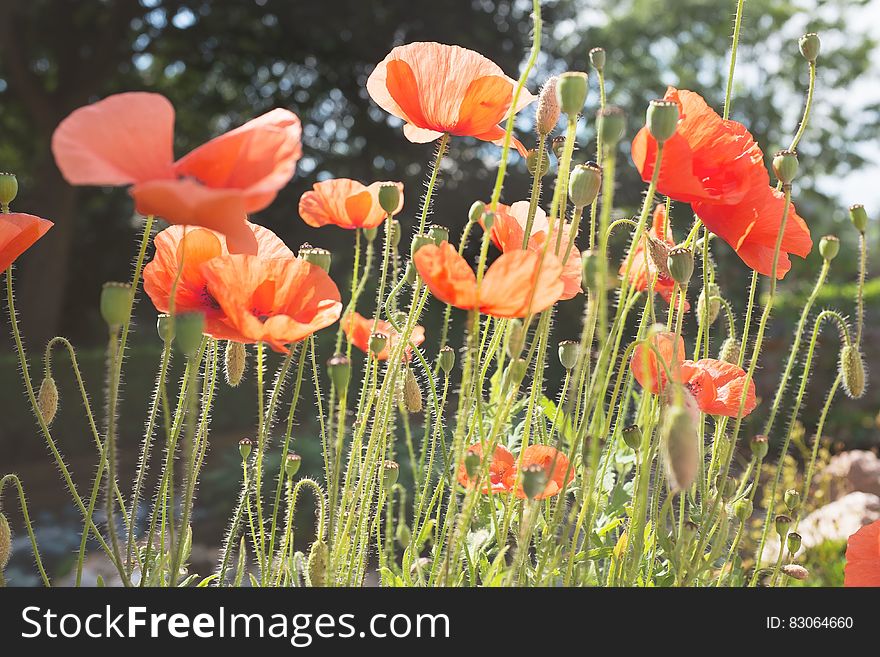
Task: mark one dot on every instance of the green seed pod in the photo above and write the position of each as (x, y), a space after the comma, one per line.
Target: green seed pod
(610, 124)
(829, 247)
(795, 571)
(395, 232)
(8, 189)
(47, 399)
(785, 166)
(339, 371)
(403, 535)
(584, 184)
(446, 359)
(859, 217)
(5, 542)
(792, 499)
(115, 303)
(714, 304)
(291, 464)
(370, 234)
(319, 555)
(438, 233)
(165, 327)
(590, 261)
(743, 509)
(516, 338)
(188, 328)
(597, 59)
(568, 353)
(852, 371)
(783, 523)
(809, 45)
(557, 145)
(678, 436)
(245, 445)
(547, 112)
(476, 211)
(390, 474)
(632, 436)
(377, 343)
(729, 351)
(389, 198)
(571, 92)
(794, 542)
(235, 362)
(418, 241)
(488, 219)
(534, 480)
(680, 263)
(662, 119)
(471, 463)
(412, 393)
(759, 445)
(532, 157)
(316, 256)
(728, 489)
(516, 371)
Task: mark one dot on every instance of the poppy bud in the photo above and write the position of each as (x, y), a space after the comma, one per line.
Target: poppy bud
(785, 166)
(476, 211)
(515, 338)
(658, 254)
(795, 571)
(446, 359)
(8, 189)
(584, 183)
(680, 263)
(378, 342)
(852, 371)
(188, 328)
(532, 158)
(319, 556)
(597, 58)
(165, 327)
(782, 525)
(235, 362)
(395, 232)
(438, 233)
(571, 92)
(568, 353)
(809, 45)
(632, 436)
(662, 119)
(516, 371)
(728, 488)
(47, 399)
(714, 305)
(471, 463)
(729, 351)
(794, 541)
(759, 445)
(389, 197)
(115, 303)
(547, 113)
(410, 275)
(244, 448)
(792, 499)
(390, 473)
(316, 256)
(339, 370)
(403, 535)
(291, 464)
(743, 509)
(859, 217)
(534, 480)
(557, 145)
(688, 531)
(5, 542)
(590, 269)
(412, 393)
(418, 241)
(370, 234)
(610, 124)
(489, 219)
(680, 446)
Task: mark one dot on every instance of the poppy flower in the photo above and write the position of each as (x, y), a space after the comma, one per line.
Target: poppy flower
(277, 301)
(863, 557)
(500, 467)
(508, 231)
(517, 284)
(127, 139)
(18, 232)
(345, 203)
(191, 248)
(642, 268)
(439, 89)
(358, 330)
(555, 464)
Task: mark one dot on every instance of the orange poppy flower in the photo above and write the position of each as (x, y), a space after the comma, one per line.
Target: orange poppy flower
(863, 557)
(18, 232)
(646, 368)
(193, 247)
(127, 139)
(439, 89)
(345, 203)
(500, 466)
(642, 269)
(358, 330)
(508, 231)
(277, 301)
(517, 284)
(555, 464)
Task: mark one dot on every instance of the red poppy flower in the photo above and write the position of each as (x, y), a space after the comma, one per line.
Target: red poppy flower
(277, 301)
(358, 330)
(555, 464)
(500, 466)
(642, 269)
(863, 557)
(18, 232)
(127, 139)
(439, 89)
(517, 284)
(193, 247)
(344, 203)
(508, 231)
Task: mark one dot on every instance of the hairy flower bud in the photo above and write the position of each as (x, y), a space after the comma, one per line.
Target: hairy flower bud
(516, 371)
(590, 270)
(714, 305)
(729, 351)
(115, 303)
(438, 233)
(471, 464)
(235, 362)
(547, 112)
(378, 342)
(557, 145)
(610, 124)
(662, 119)
(339, 370)
(534, 480)
(446, 359)
(410, 275)
(47, 399)
(291, 464)
(412, 393)
(785, 166)
(395, 233)
(680, 263)
(571, 92)
(795, 571)
(244, 448)
(5, 542)
(568, 353)
(188, 328)
(8, 189)
(418, 241)
(390, 473)
(859, 217)
(632, 436)
(597, 59)
(743, 509)
(476, 211)
(370, 234)
(515, 338)
(532, 158)
(316, 256)
(584, 183)
(678, 436)
(829, 246)
(759, 445)
(658, 254)
(852, 371)
(389, 197)
(165, 327)
(319, 556)
(809, 45)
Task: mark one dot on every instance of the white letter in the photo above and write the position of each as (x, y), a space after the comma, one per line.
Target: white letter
(134, 620)
(24, 617)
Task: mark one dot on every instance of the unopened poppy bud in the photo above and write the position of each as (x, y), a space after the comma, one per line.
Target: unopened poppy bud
(410, 275)
(471, 463)
(339, 370)
(680, 263)
(476, 211)
(370, 234)
(782, 525)
(632, 436)
(729, 351)
(245, 445)
(532, 158)
(534, 480)
(662, 119)
(438, 233)
(712, 308)
(515, 338)
(557, 145)
(584, 183)
(418, 241)
(728, 489)
(389, 197)
(610, 124)
(319, 556)
(390, 473)
(8, 189)
(658, 254)
(412, 393)
(809, 45)
(795, 571)
(403, 535)
(378, 342)
(568, 353)
(743, 509)
(235, 361)
(794, 541)
(446, 359)
(517, 371)
(489, 219)
(597, 58)
(115, 303)
(291, 464)
(785, 166)
(316, 256)
(188, 329)
(571, 92)
(590, 270)
(547, 113)
(395, 232)
(859, 217)
(5, 542)
(680, 446)
(165, 327)
(47, 399)
(759, 445)
(852, 371)
(792, 499)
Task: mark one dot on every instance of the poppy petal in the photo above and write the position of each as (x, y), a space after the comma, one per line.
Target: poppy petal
(18, 232)
(863, 557)
(646, 369)
(447, 275)
(519, 283)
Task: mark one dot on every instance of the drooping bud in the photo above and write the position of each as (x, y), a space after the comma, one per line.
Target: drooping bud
(859, 217)
(316, 256)
(516, 371)
(743, 509)
(235, 361)
(829, 246)
(291, 464)
(412, 393)
(662, 119)
(378, 342)
(47, 399)
(584, 183)
(590, 269)
(809, 45)
(680, 263)
(8, 189)
(534, 480)
(188, 328)
(852, 371)
(547, 113)
(597, 58)
(390, 473)
(729, 351)
(532, 158)
(476, 211)
(5, 542)
(418, 241)
(403, 535)
(795, 571)
(446, 359)
(395, 233)
(759, 445)
(680, 446)
(319, 556)
(714, 304)
(632, 436)
(389, 197)
(370, 234)
(516, 338)
(115, 303)
(728, 488)
(794, 542)
(165, 327)
(610, 124)
(571, 92)
(783, 523)
(658, 254)
(244, 448)
(438, 233)
(568, 353)
(339, 370)
(792, 499)
(785, 166)
(410, 275)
